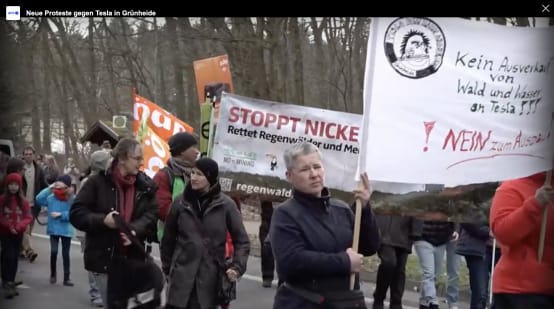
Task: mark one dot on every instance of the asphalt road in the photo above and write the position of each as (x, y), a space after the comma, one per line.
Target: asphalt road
(37, 292)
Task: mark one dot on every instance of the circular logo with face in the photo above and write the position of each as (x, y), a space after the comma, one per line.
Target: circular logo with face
(414, 46)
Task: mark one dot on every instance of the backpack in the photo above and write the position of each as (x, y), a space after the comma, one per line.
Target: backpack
(177, 185)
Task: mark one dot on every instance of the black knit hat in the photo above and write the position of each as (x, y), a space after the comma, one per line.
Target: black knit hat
(66, 179)
(209, 168)
(180, 142)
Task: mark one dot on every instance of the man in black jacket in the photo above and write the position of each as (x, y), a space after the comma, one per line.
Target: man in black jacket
(397, 234)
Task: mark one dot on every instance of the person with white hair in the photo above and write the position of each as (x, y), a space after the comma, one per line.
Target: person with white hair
(99, 160)
(312, 237)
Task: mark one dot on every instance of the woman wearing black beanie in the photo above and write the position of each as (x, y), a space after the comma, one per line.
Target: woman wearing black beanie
(193, 245)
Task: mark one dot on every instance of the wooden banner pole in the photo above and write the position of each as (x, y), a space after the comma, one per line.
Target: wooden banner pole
(356, 236)
(547, 181)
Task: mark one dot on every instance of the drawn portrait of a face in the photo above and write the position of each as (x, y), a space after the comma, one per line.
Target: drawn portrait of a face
(415, 50)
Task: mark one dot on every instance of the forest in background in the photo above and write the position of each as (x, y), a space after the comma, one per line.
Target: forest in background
(60, 75)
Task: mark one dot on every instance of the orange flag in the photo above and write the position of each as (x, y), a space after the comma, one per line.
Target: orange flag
(162, 122)
(155, 152)
(152, 127)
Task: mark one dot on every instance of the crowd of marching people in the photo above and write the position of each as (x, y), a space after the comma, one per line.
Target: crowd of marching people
(309, 241)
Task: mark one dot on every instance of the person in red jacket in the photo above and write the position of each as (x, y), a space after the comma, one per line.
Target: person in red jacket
(172, 179)
(520, 280)
(15, 216)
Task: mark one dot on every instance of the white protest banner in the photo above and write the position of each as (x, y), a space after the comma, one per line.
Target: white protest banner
(453, 101)
(253, 134)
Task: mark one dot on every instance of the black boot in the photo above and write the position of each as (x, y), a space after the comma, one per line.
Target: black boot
(53, 259)
(10, 290)
(66, 280)
(266, 283)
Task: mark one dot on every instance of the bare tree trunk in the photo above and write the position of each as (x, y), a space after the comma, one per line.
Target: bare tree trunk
(175, 51)
(127, 53)
(332, 80)
(251, 48)
(242, 41)
(298, 63)
(346, 59)
(9, 73)
(359, 47)
(275, 59)
(75, 75)
(321, 63)
(111, 104)
(64, 113)
(191, 52)
(31, 98)
(35, 116)
(92, 67)
(74, 137)
(47, 72)
(161, 92)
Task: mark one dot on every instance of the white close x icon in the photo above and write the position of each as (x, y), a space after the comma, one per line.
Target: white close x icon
(546, 8)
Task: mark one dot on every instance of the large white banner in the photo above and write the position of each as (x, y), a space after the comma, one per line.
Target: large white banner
(453, 101)
(252, 135)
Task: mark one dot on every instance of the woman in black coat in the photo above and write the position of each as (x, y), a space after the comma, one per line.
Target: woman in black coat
(312, 234)
(194, 239)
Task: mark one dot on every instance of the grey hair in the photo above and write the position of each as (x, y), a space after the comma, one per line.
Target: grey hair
(124, 147)
(302, 148)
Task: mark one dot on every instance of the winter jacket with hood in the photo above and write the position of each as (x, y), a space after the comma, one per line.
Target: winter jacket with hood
(58, 226)
(14, 213)
(516, 222)
(185, 258)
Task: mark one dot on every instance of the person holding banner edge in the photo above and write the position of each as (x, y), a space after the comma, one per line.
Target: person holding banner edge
(520, 203)
(312, 236)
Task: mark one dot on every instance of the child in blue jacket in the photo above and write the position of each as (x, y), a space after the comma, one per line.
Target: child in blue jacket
(58, 198)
